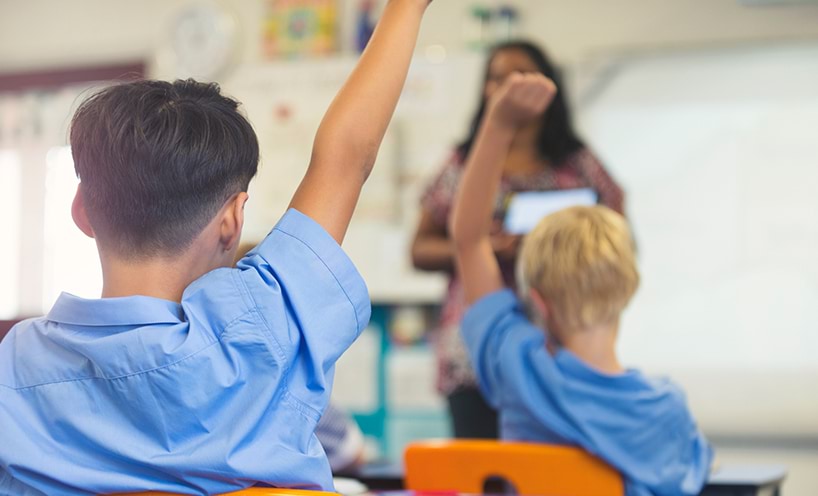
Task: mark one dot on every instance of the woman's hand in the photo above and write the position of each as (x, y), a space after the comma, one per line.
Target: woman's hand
(506, 246)
(520, 99)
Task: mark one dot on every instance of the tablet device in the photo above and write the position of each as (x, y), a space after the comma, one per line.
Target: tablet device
(525, 209)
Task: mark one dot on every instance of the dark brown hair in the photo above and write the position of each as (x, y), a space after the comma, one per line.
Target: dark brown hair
(157, 160)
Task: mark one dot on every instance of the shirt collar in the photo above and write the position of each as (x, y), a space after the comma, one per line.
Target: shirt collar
(128, 310)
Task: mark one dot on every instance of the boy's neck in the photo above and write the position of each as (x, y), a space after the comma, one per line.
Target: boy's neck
(151, 279)
(595, 346)
(165, 278)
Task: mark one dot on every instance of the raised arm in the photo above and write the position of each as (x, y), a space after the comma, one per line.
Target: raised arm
(521, 98)
(351, 132)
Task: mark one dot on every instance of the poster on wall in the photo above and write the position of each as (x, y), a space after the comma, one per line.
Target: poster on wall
(294, 28)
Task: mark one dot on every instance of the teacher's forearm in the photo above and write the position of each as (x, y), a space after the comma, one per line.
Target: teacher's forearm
(433, 255)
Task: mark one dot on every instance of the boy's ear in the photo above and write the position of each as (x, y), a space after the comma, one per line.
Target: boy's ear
(80, 215)
(539, 304)
(541, 307)
(232, 221)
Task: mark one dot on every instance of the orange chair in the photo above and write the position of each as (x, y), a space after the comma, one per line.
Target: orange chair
(250, 491)
(534, 469)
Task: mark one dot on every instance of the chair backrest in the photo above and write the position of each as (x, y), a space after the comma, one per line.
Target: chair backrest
(534, 469)
(250, 491)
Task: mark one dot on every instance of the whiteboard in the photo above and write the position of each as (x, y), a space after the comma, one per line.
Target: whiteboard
(718, 154)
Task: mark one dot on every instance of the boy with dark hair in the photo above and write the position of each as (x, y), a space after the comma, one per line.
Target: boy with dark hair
(564, 384)
(189, 375)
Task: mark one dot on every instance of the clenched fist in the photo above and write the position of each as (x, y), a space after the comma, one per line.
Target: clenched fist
(521, 98)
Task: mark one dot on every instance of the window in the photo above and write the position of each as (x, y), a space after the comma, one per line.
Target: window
(70, 261)
(42, 252)
(10, 197)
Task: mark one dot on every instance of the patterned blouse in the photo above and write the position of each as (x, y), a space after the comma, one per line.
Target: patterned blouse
(579, 170)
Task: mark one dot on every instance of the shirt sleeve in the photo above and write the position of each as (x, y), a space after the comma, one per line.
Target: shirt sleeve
(496, 332)
(300, 271)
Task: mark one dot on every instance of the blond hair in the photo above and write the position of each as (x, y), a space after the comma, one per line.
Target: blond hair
(581, 260)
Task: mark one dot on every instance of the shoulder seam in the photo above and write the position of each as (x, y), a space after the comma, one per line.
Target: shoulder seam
(341, 286)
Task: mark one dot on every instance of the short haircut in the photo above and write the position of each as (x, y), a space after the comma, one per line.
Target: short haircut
(156, 160)
(582, 261)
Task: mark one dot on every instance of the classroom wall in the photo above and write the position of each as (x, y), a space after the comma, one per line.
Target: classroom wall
(45, 33)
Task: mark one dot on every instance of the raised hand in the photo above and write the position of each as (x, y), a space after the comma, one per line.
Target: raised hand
(350, 134)
(520, 99)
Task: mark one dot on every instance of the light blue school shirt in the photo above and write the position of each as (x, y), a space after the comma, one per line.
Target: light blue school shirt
(642, 427)
(211, 395)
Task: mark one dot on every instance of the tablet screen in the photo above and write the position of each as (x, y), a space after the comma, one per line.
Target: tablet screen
(527, 208)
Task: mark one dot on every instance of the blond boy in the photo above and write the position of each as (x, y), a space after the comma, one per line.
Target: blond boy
(564, 384)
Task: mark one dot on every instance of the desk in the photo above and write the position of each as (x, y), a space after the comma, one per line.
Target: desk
(728, 480)
(746, 480)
